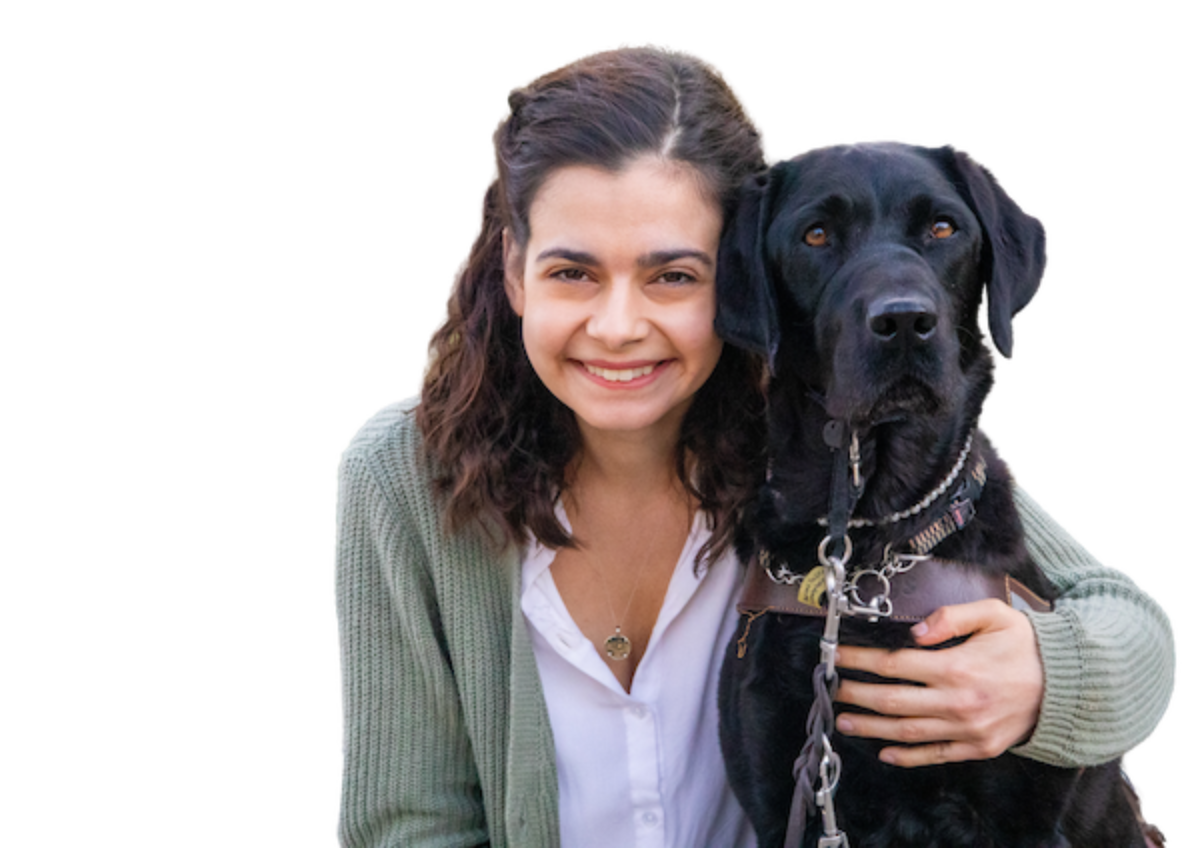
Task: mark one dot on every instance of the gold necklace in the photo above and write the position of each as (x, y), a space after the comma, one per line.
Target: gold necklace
(618, 646)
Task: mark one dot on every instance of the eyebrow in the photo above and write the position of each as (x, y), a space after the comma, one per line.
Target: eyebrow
(646, 260)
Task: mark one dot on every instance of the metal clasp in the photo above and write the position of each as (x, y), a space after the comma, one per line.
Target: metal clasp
(855, 464)
(835, 604)
(831, 773)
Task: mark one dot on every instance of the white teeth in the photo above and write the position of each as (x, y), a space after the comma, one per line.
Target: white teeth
(622, 376)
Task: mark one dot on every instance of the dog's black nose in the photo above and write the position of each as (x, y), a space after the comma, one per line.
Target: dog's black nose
(905, 318)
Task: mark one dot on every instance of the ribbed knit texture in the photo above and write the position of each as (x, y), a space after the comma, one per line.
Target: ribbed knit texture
(1107, 649)
(447, 739)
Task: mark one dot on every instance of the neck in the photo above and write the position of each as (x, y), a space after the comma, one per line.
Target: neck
(640, 463)
(909, 464)
(622, 487)
(902, 462)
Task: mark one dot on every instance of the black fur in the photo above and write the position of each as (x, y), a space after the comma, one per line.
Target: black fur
(878, 326)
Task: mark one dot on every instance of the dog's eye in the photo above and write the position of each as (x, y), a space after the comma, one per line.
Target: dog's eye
(816, 237)
(942, 228)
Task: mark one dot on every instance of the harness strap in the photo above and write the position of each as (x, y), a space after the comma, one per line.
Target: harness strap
(915, 594)
(959, 512)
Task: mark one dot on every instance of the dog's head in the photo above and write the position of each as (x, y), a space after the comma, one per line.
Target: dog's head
(860, 271)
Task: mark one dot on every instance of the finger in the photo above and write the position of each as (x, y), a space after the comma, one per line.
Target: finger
(930, 755)
(904, 664)
(958, 620)
(908, 731)
(888, 699)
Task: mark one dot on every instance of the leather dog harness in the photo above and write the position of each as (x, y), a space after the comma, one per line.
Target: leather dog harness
(905, 587)
(915, 594)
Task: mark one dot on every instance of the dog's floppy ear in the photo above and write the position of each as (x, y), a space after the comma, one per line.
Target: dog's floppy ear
(747, 312)
(1014, 249)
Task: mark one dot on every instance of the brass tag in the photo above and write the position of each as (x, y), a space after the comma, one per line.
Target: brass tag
(812, 588)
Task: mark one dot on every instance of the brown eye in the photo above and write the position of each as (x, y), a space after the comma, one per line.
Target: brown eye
(816, 237)
(942, 229)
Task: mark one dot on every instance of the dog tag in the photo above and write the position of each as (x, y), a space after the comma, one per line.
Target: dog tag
(812, 588)
(835, 434)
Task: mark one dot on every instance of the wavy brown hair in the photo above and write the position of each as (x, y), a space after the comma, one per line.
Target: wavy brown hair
(501, 442)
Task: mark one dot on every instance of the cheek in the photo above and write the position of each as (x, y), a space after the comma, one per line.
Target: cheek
(544, 335)
(696, 337)
(531, 334)
(713, 353)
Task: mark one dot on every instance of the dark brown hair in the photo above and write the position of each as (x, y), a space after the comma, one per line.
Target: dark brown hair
(500, 441)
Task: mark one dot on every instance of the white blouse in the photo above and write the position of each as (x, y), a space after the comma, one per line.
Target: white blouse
(641, 768)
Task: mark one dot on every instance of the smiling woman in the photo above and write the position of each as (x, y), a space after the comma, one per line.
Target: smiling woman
(616, 291)
(595, 119)
(562, 567)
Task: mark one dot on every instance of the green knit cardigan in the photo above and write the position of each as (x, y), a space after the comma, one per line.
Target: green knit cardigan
(447, 739)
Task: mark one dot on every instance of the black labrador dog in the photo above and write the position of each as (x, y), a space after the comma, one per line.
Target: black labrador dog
(859, 272)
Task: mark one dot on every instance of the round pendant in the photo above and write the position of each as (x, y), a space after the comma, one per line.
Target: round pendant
(617, 646)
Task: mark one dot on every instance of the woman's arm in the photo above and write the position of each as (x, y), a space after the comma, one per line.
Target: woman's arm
(1107, 649)
(410, 777)
(1078, 686)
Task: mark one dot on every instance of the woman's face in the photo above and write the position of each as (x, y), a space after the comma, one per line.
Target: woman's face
(616, 289)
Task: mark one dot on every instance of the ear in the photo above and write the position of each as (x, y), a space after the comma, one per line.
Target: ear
(1014, 251)
(747, 313)
(514, 272)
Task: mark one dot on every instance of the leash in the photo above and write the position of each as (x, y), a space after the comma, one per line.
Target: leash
(818, 764)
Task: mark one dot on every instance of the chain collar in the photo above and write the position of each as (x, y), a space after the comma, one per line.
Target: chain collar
(923, 504)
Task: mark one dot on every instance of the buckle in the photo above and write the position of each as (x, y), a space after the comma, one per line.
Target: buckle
(962, 511)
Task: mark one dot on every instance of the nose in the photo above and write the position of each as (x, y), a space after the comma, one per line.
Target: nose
(619, 317)
(908, 319)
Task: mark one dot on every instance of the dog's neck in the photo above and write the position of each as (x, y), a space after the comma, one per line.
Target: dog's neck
(908, 464)
(978, 470)
(902, 461)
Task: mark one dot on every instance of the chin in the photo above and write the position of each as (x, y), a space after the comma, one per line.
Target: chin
(631, 419)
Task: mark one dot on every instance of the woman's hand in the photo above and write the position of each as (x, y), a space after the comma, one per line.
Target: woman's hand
(975, 700)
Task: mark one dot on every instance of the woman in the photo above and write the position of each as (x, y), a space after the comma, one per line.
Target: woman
(535, 569)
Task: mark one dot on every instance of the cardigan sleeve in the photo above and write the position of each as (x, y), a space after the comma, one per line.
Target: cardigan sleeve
(1107, 651)
(410, 777)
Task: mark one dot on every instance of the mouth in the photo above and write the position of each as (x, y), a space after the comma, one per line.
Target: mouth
(635, 376)
(903, 399)
(620, 375)
(623, 376)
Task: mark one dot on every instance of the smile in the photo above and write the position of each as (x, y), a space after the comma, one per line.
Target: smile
(625, 378)
(623, 375)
